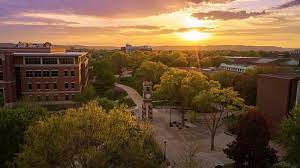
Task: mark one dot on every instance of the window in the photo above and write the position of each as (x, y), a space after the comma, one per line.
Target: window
(73, 85)
(38, 86)
(73, 96)
(66, 61)
(55, 86)
(47, 98)
(66, 85)
(47, 86)
(1, 75)
(29, 86)
(38, 98)
(0, 61)
(29, 74)
(66, 73)
(32, 61)
(66, 97)
(55, 97)
(54, 73)
(37, 73)
(46, 73)
(72, 73)
(49, 61)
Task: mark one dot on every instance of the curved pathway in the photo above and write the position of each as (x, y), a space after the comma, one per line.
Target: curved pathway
(135, 96)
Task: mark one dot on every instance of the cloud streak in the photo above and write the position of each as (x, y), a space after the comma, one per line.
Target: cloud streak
(227, 15)
(289, 4)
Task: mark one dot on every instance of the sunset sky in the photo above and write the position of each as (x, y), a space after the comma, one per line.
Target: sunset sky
(152, 22)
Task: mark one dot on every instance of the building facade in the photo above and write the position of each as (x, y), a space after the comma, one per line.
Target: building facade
(277, 94)
(129, 48)
(235, 68)
(42, 72)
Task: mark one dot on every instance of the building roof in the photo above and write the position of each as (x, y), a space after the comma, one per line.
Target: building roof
(73, 54)
(290, 76)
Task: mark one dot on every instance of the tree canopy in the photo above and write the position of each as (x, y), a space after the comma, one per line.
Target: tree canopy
(290, 137)
(90, 137)
(181, 86)
(13, 123)
(251, 148)
(151, 71)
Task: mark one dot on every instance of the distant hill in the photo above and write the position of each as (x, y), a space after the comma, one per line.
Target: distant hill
(209, 47)
(2, 45)
(224, 47)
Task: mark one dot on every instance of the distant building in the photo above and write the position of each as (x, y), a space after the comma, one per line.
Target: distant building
(235, 68)
(265, 61)
(129, 48)
(277, 94)
(295, 53)
(42, 72)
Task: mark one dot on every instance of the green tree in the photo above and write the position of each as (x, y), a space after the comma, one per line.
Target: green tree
(106, 103)
(13, 123)
(180, 86)
(90, 137)
(290, 137)
(151, 71)
(105, 79)
(216, 103)
(89, 93)
(225, 78)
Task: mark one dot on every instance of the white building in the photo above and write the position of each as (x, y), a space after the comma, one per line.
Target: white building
(129, 48)
(235, 68)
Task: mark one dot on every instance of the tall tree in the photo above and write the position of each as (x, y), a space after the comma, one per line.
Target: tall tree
(180, 86)
(90, 137)
(13, 123)
(251, 148)
(290, 137)
(151, 71)
(216, 103)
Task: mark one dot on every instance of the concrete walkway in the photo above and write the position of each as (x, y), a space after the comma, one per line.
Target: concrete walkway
(136, 98)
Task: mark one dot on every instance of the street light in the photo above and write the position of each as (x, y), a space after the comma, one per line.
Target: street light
(165, 150)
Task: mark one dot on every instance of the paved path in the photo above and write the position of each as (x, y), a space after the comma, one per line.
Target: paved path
(135, 96)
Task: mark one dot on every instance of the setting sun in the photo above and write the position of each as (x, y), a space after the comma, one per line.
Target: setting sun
(195, 35)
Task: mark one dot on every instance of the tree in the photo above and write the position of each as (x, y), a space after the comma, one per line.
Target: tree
(90, 137)
(180, 86)
(151, 71)
(106, 103)
(216, 102)
(13, 123)
(290, 136)
(251, 148)
(213, 61)
(103, 72)
(89, 93)
(225, 78)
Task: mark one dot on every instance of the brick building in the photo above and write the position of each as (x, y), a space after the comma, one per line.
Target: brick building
(277, 94)
(42, 72)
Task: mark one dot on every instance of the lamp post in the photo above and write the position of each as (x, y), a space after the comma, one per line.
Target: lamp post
(165, 150)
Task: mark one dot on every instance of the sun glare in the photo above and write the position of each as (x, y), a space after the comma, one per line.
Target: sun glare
(195, 35)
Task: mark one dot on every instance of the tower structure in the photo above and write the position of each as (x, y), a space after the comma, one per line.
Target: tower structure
(147, 108)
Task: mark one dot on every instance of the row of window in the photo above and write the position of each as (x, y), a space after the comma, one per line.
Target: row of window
(37, 74)
(48, 61)
(38, 86)
(53, 98)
